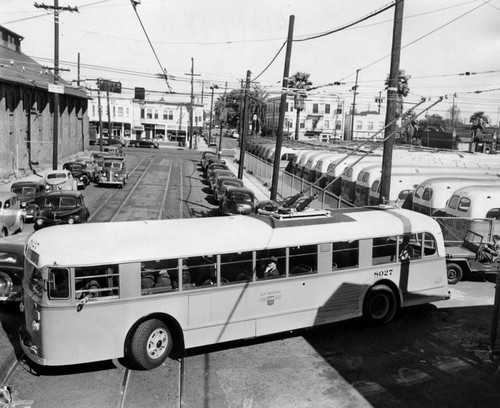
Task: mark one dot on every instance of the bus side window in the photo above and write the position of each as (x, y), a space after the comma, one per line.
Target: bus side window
(59, 283)
(97, 281)
(159, 276)
(384, 250)
(303, 259)
(236, 267)
(414, 242)
(202, 270)
(265, 257)
(430, 245)
(345, 254)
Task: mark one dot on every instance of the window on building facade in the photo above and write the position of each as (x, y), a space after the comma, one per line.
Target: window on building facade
(359, 125)
(142, 113)
(302, 124)
(326, 124)
(315, 108)
(149, 113)
(327, 108)
(370, 125)
(338, 125)
(114, 111)
(165, 114)
(286, 105)
(156, 114)
(339, 110)
(120, 111)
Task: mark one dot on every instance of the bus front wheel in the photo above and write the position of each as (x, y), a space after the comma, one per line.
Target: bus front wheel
(151, 344)
(454, 273)
(380, 305)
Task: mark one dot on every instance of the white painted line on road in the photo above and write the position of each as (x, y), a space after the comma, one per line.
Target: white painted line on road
(367, 388)
(453, 365)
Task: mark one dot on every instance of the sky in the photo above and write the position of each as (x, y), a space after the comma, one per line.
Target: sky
(221, 40)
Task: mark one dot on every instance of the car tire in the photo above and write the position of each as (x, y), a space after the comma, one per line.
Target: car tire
(454, 273)
(150, 345)
(380, 304)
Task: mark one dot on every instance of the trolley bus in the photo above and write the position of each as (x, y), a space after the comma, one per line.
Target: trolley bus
(195, 282)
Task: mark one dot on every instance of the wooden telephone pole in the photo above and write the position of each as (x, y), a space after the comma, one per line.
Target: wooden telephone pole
(392, 101)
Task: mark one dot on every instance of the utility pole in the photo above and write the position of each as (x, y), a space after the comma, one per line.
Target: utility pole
(56, 91)
(99, 110)
(392, 101)
(281, 118)
(453, 112)
(191, 104)
(213, 88)
(222, 117)
(355, 88)
(244, 128)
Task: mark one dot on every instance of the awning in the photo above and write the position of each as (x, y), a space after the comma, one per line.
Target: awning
(160, 127)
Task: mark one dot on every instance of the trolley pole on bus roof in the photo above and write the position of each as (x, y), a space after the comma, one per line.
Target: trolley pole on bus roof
(281, 119)
(392, 97)
(244, 127)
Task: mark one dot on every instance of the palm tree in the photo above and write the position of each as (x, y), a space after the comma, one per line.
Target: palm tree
(299, 80)
(403, 89)
(479, 121)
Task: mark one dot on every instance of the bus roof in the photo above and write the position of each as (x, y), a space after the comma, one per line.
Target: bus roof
(134, 241)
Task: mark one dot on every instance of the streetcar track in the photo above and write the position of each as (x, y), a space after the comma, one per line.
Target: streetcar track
(124, 386)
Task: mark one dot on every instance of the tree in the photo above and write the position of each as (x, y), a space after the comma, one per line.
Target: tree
(479, 121)
(300, 82)
(403, 89)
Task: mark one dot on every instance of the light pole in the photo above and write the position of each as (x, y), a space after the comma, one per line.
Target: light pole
(212, 87)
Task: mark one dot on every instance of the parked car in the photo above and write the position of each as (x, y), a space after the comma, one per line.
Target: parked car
(91, 166)
(149, 143)
(205, 156)
(31, 194)
(79, 172)
(114, 171)
(106, 141)
(11, 267)
(215, 166)
(60, 180)
(62, 207)
(224, 182)
(209, 161)
(212, 181)
(237, 200)
(11, 214)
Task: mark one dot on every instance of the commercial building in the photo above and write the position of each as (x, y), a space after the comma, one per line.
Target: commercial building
(321, 117)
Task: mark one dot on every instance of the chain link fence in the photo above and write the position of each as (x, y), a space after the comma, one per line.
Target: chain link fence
(289, 184)
(455, 228)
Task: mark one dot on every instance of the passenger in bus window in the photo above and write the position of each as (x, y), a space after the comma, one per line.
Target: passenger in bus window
(406, 251)
(270, 270)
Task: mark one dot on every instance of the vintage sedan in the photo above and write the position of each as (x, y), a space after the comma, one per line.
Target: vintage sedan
(114, 171)
(62, 207)
(209, 161)
(31, 194)
(79, 172)
(91, 167)
(12, 267)
(11, 214)
(237, 200)
(149, 143)
(223, 182)
(56, 180)
(212, 181)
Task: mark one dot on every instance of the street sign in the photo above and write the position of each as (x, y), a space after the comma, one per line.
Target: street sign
(53, 88)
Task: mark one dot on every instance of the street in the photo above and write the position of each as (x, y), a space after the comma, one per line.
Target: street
(430, 356)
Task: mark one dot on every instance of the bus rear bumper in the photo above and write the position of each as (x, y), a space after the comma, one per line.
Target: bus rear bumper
(32, 351)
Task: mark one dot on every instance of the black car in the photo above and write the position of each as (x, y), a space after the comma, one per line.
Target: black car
(79, 172)
(11, 268)
(149, 143)
(237, 200)
(62, 207)
(31, 194)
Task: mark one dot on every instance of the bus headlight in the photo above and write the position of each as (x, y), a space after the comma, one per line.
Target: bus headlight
(35, 326)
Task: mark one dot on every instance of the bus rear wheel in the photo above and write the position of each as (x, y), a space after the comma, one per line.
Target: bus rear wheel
(380, 305)
(454, 273)
(151, 344)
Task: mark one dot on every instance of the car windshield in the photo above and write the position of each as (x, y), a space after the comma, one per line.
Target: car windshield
(11, 259)
(26, 190)
(60, 202)
(74, 167)
(241, 197)
(234, 183)
(56, 175)
(113, 165)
